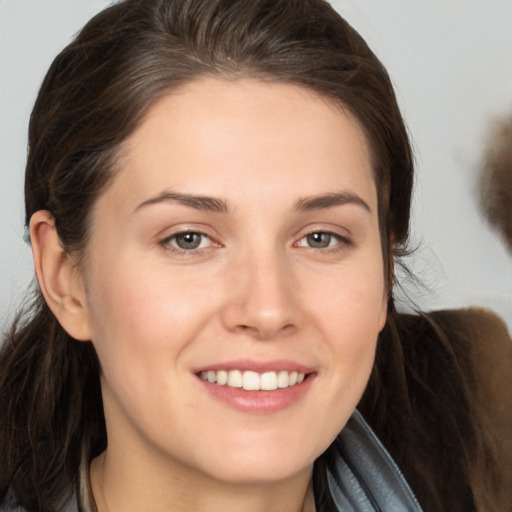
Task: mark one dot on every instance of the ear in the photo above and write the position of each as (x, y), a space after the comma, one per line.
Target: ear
(391, 264)
(60, 281)
(390, 276)
(383, 313)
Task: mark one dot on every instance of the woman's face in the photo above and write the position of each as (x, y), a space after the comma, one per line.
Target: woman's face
(239, 242)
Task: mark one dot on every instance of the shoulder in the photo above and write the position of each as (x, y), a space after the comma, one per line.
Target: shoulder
(463, 359)
(9, 503)
(481, 338)
(487, 345)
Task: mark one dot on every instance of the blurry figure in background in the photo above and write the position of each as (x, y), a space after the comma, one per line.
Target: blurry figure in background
(496, 180)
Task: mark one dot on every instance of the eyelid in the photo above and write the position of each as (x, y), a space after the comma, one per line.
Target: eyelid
(165, 241)
(344, 241)
(203, 236)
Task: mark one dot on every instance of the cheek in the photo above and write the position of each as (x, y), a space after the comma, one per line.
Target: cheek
(351, 312)
(349, 316)
(140, 326)
(144, 326)
(141, 306)
(354, 300)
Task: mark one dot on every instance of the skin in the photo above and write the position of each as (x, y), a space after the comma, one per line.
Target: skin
(255, 289)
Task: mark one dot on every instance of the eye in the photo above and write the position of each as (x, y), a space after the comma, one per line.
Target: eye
(321, 240)
(188, 241)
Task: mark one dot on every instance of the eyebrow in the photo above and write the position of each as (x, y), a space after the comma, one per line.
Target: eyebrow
(330, 200)
(212, 204)
(204, 203)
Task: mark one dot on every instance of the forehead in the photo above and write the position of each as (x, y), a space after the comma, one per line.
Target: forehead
(245, 133)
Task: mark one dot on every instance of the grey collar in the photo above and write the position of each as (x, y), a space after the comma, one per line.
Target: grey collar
(361, 476)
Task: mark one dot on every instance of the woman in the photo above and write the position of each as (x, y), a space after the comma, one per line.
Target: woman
(216, 194)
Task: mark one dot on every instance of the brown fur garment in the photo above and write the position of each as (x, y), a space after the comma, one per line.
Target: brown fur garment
(452, 437)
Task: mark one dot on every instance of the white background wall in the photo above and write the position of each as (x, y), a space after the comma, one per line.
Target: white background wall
(451, 62)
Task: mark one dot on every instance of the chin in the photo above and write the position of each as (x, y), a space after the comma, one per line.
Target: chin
(260, 473)
(262, 463)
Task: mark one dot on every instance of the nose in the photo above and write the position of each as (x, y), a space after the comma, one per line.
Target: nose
(262, 298)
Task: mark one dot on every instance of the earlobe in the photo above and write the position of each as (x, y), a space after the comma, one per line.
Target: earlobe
(59, 280)
(384, 314)
(389, 278)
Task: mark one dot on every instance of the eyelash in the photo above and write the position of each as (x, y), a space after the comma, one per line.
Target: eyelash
(168, 245)
(340, 242)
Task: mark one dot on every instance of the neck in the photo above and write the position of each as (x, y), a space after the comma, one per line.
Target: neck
(120, 487)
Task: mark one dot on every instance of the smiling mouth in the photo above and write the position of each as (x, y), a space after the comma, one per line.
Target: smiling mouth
(253, 381)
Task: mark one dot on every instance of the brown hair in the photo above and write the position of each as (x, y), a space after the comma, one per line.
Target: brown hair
(94, 95)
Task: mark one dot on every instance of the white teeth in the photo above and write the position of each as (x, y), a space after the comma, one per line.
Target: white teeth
(269, 381)
(253, 381)
(235, 379)
(283, 380)
(222, 377)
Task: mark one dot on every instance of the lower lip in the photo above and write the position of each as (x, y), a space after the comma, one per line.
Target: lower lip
(259, 402)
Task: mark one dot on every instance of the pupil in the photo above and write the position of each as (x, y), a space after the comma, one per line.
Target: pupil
(188, 240)
(319, 240)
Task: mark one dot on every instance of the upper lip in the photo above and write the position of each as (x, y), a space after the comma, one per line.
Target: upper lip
(275, 365)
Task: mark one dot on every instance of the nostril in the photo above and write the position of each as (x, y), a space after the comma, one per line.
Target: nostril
(259, 319)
